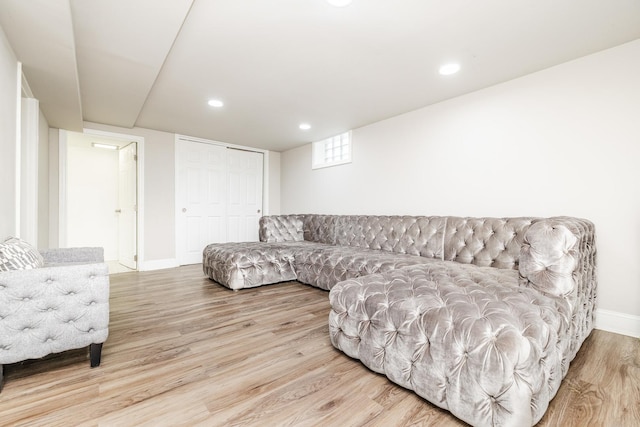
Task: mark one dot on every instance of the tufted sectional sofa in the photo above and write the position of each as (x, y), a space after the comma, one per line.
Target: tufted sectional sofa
(480, 316)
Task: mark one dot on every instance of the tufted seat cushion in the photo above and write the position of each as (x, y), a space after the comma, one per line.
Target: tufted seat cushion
(469, 341)
(251, 264)
(325, 266)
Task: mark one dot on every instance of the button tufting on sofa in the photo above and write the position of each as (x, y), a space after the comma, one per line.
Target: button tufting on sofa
(36, 304)
(480, 316)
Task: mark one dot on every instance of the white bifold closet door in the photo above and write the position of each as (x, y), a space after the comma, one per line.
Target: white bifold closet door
(218, 197)
(244, 195)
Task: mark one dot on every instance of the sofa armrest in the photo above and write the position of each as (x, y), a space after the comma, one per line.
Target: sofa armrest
(52, 309)
(558, 257)
(72, 255)
(557, 254)
(281, 228)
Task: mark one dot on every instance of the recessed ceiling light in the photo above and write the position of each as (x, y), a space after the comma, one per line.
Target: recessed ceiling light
(339, 3)
(448, 69)
(305, 126)
(215, 103)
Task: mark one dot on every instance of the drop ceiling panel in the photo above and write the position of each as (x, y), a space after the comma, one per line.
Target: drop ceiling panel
(276, 63)
(121, 46)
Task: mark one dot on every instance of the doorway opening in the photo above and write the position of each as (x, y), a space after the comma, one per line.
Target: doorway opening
(99, 196)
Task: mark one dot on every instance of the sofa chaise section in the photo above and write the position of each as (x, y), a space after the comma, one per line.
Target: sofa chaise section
(251, 264)
(491, 345)
(473, 345)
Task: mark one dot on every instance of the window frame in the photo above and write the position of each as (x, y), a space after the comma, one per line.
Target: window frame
(323, 154)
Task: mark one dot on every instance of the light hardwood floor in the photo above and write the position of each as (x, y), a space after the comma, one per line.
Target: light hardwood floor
(183, 350)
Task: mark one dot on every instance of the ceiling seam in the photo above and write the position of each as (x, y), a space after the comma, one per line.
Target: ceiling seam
(75, 65)
(186, 16)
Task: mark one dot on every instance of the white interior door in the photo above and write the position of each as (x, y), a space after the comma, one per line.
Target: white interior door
(200, 198)
(244, 195)
(127, 206)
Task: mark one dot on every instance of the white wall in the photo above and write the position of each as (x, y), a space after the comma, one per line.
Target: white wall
(274, 183)
(563, 141)
(43, 182)
(92, 197)
(9, 104)
(54, 187)
(29, 174)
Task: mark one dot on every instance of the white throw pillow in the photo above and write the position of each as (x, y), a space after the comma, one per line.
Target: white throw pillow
(16, 254)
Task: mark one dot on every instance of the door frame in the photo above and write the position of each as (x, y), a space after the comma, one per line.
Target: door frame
(123, 207)
(265, 177)
(62, 186)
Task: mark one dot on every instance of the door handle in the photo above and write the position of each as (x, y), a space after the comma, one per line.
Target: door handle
(184, 210)
(118, 210)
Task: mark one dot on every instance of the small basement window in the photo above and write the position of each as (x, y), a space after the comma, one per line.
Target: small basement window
(332, 151)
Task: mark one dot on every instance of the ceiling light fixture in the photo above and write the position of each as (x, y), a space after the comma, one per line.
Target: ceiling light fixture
(448, 69)
(215, 103)
(305, 126)
(105, 146)
(339, 3)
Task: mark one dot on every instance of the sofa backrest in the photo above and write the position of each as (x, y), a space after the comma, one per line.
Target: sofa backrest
(320, 228)
(295, 228)
(413, 235)
(485, 242)
(281, 228)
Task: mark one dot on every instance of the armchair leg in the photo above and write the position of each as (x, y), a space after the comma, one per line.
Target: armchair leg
(95, 351)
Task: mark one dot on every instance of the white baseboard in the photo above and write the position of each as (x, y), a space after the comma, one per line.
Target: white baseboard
(619, 323)
(158, 264)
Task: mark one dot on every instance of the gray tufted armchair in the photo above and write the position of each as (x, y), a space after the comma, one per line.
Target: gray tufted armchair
(62, 306)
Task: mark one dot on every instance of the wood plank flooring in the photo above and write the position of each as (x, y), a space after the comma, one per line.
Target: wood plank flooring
(183, 350)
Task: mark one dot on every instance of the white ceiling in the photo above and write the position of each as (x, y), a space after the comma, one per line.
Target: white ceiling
(277, 63)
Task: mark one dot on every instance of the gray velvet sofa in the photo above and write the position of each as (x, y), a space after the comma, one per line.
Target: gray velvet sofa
(480, 316)
(62, 306)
